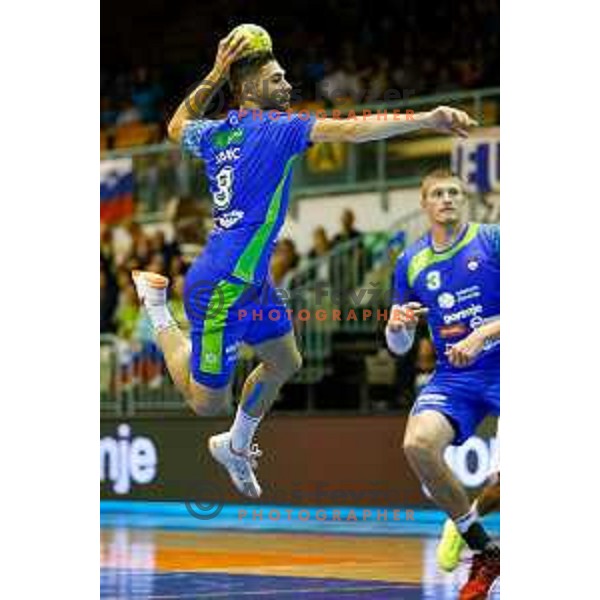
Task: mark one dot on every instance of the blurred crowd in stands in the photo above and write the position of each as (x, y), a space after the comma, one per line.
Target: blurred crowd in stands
(127, 247)
(362, 53)
(121, 250)
(333, 268)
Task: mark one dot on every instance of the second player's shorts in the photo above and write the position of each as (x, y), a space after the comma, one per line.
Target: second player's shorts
(223, 313)
(465, 398)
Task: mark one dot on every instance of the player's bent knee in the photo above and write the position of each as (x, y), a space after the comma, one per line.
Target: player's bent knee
(206, 409)
(291, 364)
(206, 402)
(296, 363)
(287, 366)
(419, 447)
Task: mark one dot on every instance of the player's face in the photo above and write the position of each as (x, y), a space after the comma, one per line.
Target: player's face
(273, 89)
(444, 201)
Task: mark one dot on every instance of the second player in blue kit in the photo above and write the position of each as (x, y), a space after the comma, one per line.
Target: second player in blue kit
(460, 286)
(451, 277)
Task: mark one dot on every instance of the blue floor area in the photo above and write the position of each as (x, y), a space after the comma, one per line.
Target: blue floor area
(352, 521)
(182, 585)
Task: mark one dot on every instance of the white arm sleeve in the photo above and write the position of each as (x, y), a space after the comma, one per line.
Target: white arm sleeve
(401, 341)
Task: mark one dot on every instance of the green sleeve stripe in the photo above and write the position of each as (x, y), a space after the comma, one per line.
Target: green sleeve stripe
(428, 257)
(222, 299)
(248, 261)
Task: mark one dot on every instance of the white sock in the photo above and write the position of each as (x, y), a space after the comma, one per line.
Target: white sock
(463, 523)
(243, 429)
(156, 306)
(160, 316)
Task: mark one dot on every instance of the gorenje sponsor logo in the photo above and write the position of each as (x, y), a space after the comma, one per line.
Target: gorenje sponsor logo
(127, 460)
(465, 313)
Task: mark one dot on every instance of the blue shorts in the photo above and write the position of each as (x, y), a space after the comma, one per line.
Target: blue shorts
(223, 313)
(465, 398)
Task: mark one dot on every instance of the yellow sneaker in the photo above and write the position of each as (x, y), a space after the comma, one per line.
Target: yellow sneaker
(450, 547)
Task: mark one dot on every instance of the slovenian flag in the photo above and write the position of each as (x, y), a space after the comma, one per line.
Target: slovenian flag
(116, 189)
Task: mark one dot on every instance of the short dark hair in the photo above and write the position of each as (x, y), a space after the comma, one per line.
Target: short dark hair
(245, 67)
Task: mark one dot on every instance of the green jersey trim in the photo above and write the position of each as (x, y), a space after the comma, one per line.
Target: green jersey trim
(249, 259)
(428, 257)
(221, 300)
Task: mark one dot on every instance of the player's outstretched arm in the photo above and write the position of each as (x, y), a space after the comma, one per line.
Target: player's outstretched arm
(378, 127)
(195, 105)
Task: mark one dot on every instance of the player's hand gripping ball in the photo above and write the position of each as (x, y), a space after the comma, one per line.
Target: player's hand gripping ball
(260, 40)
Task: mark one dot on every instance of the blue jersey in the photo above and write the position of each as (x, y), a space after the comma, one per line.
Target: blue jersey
(248, 163)
(460, 286)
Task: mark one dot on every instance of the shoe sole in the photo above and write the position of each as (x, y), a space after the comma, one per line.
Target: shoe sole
(154, 280)
(493, 587)
(213, 449)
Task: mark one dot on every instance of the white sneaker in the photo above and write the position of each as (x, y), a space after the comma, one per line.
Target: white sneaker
(239, 465)
(151, 288)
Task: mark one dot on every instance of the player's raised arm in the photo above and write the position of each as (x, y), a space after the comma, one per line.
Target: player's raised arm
(378, 127)
(194, 106)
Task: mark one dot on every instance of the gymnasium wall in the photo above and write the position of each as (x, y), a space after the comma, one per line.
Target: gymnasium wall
(326, 211)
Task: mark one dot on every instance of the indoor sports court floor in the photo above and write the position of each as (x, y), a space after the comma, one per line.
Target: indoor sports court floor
(164, 553)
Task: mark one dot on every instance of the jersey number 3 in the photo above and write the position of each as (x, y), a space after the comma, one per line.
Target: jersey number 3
(222, 197)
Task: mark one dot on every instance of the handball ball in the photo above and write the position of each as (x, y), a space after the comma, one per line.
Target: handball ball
(260, 40)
